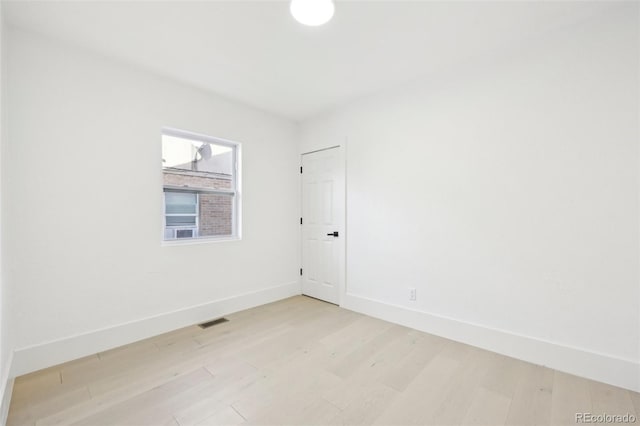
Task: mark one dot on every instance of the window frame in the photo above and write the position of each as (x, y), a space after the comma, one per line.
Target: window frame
(234, 193)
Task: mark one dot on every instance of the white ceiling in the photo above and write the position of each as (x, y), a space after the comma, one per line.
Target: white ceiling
(256, 53)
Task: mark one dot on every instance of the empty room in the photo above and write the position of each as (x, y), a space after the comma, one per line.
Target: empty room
(319, 212)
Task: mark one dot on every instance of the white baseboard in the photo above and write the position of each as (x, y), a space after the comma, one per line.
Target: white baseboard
(6, 390)
(55, 352)
(605, 368)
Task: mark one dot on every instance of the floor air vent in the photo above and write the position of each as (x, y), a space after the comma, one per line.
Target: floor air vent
(212, 323)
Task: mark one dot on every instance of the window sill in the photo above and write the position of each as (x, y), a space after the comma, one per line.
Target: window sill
(204, 240)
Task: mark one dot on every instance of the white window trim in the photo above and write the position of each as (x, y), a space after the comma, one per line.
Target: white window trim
(236, 181)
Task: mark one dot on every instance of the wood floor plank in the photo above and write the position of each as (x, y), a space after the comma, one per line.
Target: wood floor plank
(120, 391)
(39, 382)
(635, 399)
(503, 374)
(171, 422)
(302, 408)
(149, 408)
(226, 388)
(460, 390)
(360, 404)
(387, 359)
(348, 338)
(407, 369)
(29, 413)
(531, 402)
(607, 399)
(227, 416)
(416, 403)
(570, 396)
(346, 365)
(279, 387)
(487, 408)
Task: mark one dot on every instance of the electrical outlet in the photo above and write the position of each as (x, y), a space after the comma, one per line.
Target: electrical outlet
(412, 294)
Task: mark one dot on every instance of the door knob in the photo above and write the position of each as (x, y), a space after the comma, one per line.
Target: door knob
(333, 234)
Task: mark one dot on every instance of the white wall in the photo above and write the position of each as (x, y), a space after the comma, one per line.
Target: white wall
(83, 205)
(507, 195)
(6, 347)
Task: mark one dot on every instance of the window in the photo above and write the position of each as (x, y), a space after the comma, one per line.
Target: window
(200, 185)
(181, 215)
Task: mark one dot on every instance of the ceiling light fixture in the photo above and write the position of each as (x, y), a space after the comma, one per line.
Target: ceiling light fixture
(312, 12)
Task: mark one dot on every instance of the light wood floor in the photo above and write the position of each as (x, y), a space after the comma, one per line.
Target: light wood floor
(301, 361)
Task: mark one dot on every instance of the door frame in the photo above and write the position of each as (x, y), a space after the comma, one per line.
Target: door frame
(342, 240)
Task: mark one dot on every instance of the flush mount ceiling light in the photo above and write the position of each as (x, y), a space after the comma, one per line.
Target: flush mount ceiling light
(312, 12)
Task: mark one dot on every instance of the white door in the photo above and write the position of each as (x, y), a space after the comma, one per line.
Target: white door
(322, 224)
